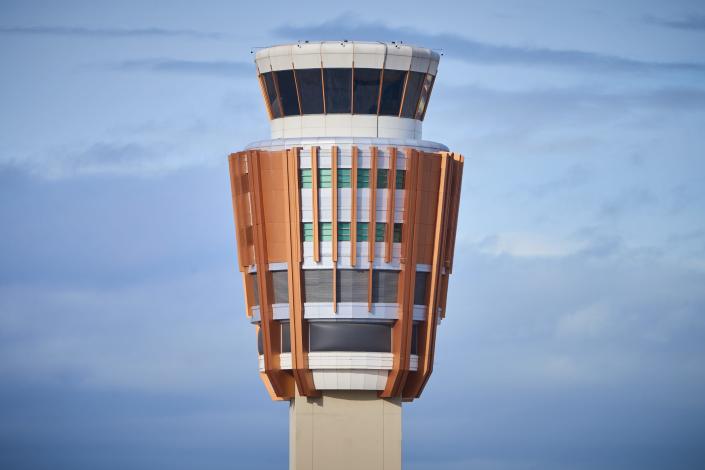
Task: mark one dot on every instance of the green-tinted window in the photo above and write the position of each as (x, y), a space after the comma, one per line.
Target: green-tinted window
(305, 177)
(307, 231)
(380, 231)
(397, 233)
(344, 177)
(363, 177)
(362, 231)
(324, 179)
(343, 231)
(325, 231)
(382, 175)
(401, 177)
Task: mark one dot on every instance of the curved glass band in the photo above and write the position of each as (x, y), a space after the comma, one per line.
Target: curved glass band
(381, 92)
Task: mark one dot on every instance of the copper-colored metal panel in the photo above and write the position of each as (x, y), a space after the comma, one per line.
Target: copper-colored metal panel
(372, 224)
(391, 193)
(334, 221)
(297, 324)
(353, 209)
(278, 379)
(417, 380)
(314, 189)
(401, 331)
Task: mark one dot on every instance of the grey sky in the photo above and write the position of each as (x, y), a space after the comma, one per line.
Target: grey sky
(575, 335)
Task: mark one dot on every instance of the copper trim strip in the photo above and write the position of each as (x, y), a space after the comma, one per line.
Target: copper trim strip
(372, 224)
(314, 189)
(353, 208)
(334, 218)
(391, 194)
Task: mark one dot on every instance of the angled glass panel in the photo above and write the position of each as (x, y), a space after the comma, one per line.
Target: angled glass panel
(425, 96)
(401, 178)
(317, 285)
(384, 286)
(366, 90)
(311, 89)
(338, 85)
(271, 90)
(413, 91)
(397, 233)
(287, 92)
(392, 88)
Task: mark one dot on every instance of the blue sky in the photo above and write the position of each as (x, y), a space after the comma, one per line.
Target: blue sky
(575, 335)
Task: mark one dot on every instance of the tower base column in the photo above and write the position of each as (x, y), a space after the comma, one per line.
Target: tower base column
(344, 430)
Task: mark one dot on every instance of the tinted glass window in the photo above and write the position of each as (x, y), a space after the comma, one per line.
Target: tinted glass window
(280, 284)
(420, 294)
(415, 339)
(318, 285)
(255, 288)
(286, 337)
(425, 96)
(351, 285)
(287, 92)
(271, 90)
(384, 286)
(411, 97)
(366, 90)
(392, 88)
(311, 89)
(338, 85)
(347, 336)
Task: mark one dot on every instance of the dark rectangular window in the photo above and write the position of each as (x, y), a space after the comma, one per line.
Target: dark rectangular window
(415, 338)
(287, 92)
(384, 286)
(362, 229)
(286, 337)
(366, 90)
(420, 294)
(363, 177)
(271, 90)
(280, 284)
(425, 96)
(392, 88)
(397, 233)
(317, 285)
(382, 177)
(260, 342)
(344, 177)
(305, 177)
(343, 231)
(311, 89)
(380, 231)
(349, 336)
(255, 288)
(401, 179)
(351, 285)
(338, 85)
(411, 97)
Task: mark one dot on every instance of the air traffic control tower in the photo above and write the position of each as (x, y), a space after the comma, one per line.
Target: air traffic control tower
(345, 221)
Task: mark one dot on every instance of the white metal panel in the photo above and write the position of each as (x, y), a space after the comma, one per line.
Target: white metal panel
(306, 55)
(262, 61)
(369, 55)
(337, 54)
(280, 57)
(398, 57)
(420, 59)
